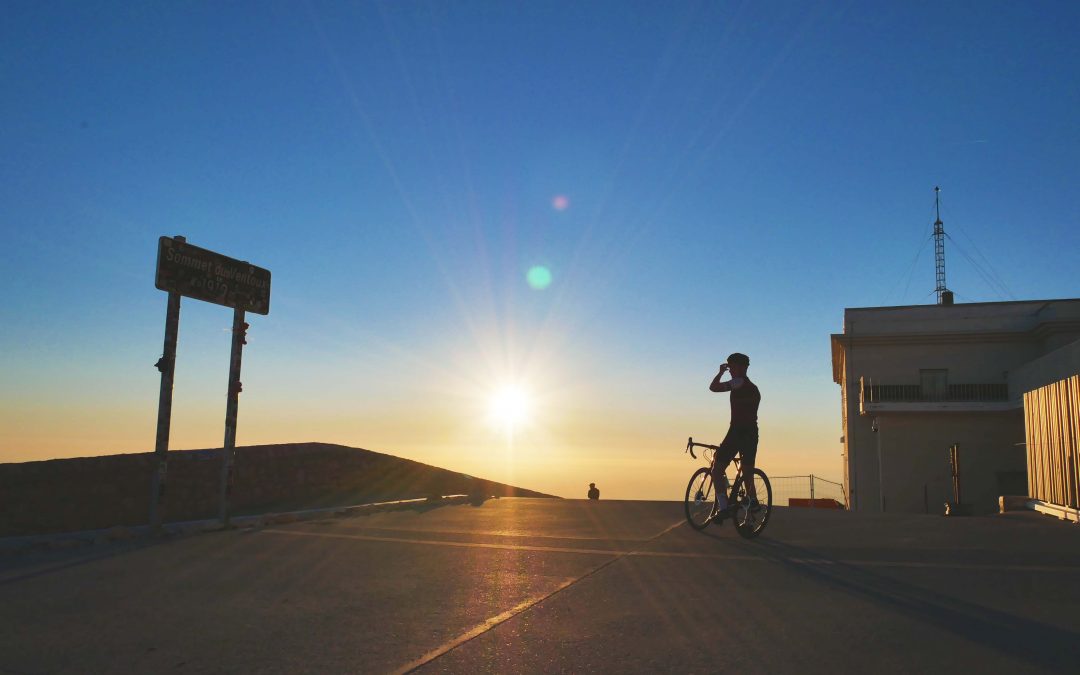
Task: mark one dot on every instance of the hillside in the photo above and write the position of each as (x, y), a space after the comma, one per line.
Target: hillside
(97, 492)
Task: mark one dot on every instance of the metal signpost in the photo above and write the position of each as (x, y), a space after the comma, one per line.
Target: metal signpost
(183, 269)
(956, 507)
(161, 447)
(228, 472)
(954, 470)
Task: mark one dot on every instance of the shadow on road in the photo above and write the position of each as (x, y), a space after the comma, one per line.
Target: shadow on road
(15, 569)
(20, 567)
(1037, 643)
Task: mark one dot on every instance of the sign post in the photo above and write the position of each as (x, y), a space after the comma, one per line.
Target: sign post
(957, 507)
(239, 339)
(183, 269)
(167, 365)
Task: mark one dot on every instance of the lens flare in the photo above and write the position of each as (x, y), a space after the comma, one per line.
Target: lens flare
(560, 202)
(539, 277)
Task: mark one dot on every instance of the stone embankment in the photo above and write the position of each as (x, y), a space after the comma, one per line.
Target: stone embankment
(101, 492)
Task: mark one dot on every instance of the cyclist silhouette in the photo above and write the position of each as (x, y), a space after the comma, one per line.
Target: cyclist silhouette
(742, 435)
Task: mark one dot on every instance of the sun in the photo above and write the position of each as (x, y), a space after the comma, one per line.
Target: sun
(509, 408)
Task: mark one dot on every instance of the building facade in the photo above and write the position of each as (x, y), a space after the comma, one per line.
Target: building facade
(917, 380)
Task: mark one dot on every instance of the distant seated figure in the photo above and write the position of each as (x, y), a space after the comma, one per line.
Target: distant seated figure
(594, 492)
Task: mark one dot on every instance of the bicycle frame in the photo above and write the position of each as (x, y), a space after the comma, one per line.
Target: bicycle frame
(740, 506)
(736, 460)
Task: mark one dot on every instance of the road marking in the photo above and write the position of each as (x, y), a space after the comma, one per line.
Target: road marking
(458, 544)
(864, 563)
(688, 554)
(691, 554)
(490, 623)
(496, 533)
(22, 575)
(961, 566)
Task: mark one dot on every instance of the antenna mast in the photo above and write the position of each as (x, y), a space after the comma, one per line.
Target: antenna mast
(944, 295)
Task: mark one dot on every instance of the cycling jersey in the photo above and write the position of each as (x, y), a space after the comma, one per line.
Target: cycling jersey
(745, 398)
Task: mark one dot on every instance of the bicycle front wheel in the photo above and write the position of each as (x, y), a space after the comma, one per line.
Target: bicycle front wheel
(749, 522)
(700, 504)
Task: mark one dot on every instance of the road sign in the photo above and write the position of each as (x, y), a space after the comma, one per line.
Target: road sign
(205, 275)
(183, 269)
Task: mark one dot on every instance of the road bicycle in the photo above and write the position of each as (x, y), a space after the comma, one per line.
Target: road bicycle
(704, 504)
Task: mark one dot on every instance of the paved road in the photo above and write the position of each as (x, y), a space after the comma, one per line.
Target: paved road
(522, 585)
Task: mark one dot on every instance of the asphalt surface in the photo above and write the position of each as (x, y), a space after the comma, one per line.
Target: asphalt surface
(535, 585)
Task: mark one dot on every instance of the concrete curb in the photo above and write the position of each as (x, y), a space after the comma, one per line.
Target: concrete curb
(1008, 503)
(71, 540)
(1056, 510)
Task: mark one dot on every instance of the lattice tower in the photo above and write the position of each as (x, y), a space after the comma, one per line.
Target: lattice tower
(939, 247)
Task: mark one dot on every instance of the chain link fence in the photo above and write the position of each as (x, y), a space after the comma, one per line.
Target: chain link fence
(785, 488)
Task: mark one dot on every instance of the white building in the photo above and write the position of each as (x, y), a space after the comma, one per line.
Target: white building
(916, 380)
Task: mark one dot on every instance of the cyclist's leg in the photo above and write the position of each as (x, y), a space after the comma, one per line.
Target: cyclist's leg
(748, 478)
(722, 458)
(749, 459)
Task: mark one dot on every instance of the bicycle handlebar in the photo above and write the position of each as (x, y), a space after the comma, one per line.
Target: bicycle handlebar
(690, 445)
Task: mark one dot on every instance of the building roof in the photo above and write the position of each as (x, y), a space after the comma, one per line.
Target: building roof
(965, 322)
(965, 304)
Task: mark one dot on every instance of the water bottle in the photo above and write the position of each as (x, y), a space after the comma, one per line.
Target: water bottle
(721, 494)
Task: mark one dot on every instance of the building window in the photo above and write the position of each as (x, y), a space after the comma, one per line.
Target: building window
(934, 384)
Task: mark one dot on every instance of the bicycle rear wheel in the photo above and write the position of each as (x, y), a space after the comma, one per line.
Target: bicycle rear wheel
(700, 504)
(748, 522)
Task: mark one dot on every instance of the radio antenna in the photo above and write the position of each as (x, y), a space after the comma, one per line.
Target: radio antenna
(944, 295)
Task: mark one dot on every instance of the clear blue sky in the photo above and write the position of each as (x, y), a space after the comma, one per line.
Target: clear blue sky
(736, 174)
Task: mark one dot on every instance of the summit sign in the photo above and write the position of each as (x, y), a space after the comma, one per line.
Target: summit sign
(205, 275)
(186, 270)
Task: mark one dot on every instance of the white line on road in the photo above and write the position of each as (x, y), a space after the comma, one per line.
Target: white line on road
(503, 533)
(459, 544)
(490, 623)
(617, 555)
(493, 621)
(961, 566)
(864, 563)
(690, 554)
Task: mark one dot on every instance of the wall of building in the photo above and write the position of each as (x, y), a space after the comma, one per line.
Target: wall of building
(900, 364)
(915, 462)
(977, 343)
(846, 442)
(967, 363)
(1057, 365)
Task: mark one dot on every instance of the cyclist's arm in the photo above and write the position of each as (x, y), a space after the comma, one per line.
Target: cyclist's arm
(718, 386)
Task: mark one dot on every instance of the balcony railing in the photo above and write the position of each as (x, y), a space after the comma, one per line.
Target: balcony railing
(953, 393)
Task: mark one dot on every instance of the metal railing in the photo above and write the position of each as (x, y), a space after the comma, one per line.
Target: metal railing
(805, 487)
(913, 393)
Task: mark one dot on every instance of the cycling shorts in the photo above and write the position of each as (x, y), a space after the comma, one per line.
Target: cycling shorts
(741, 440)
